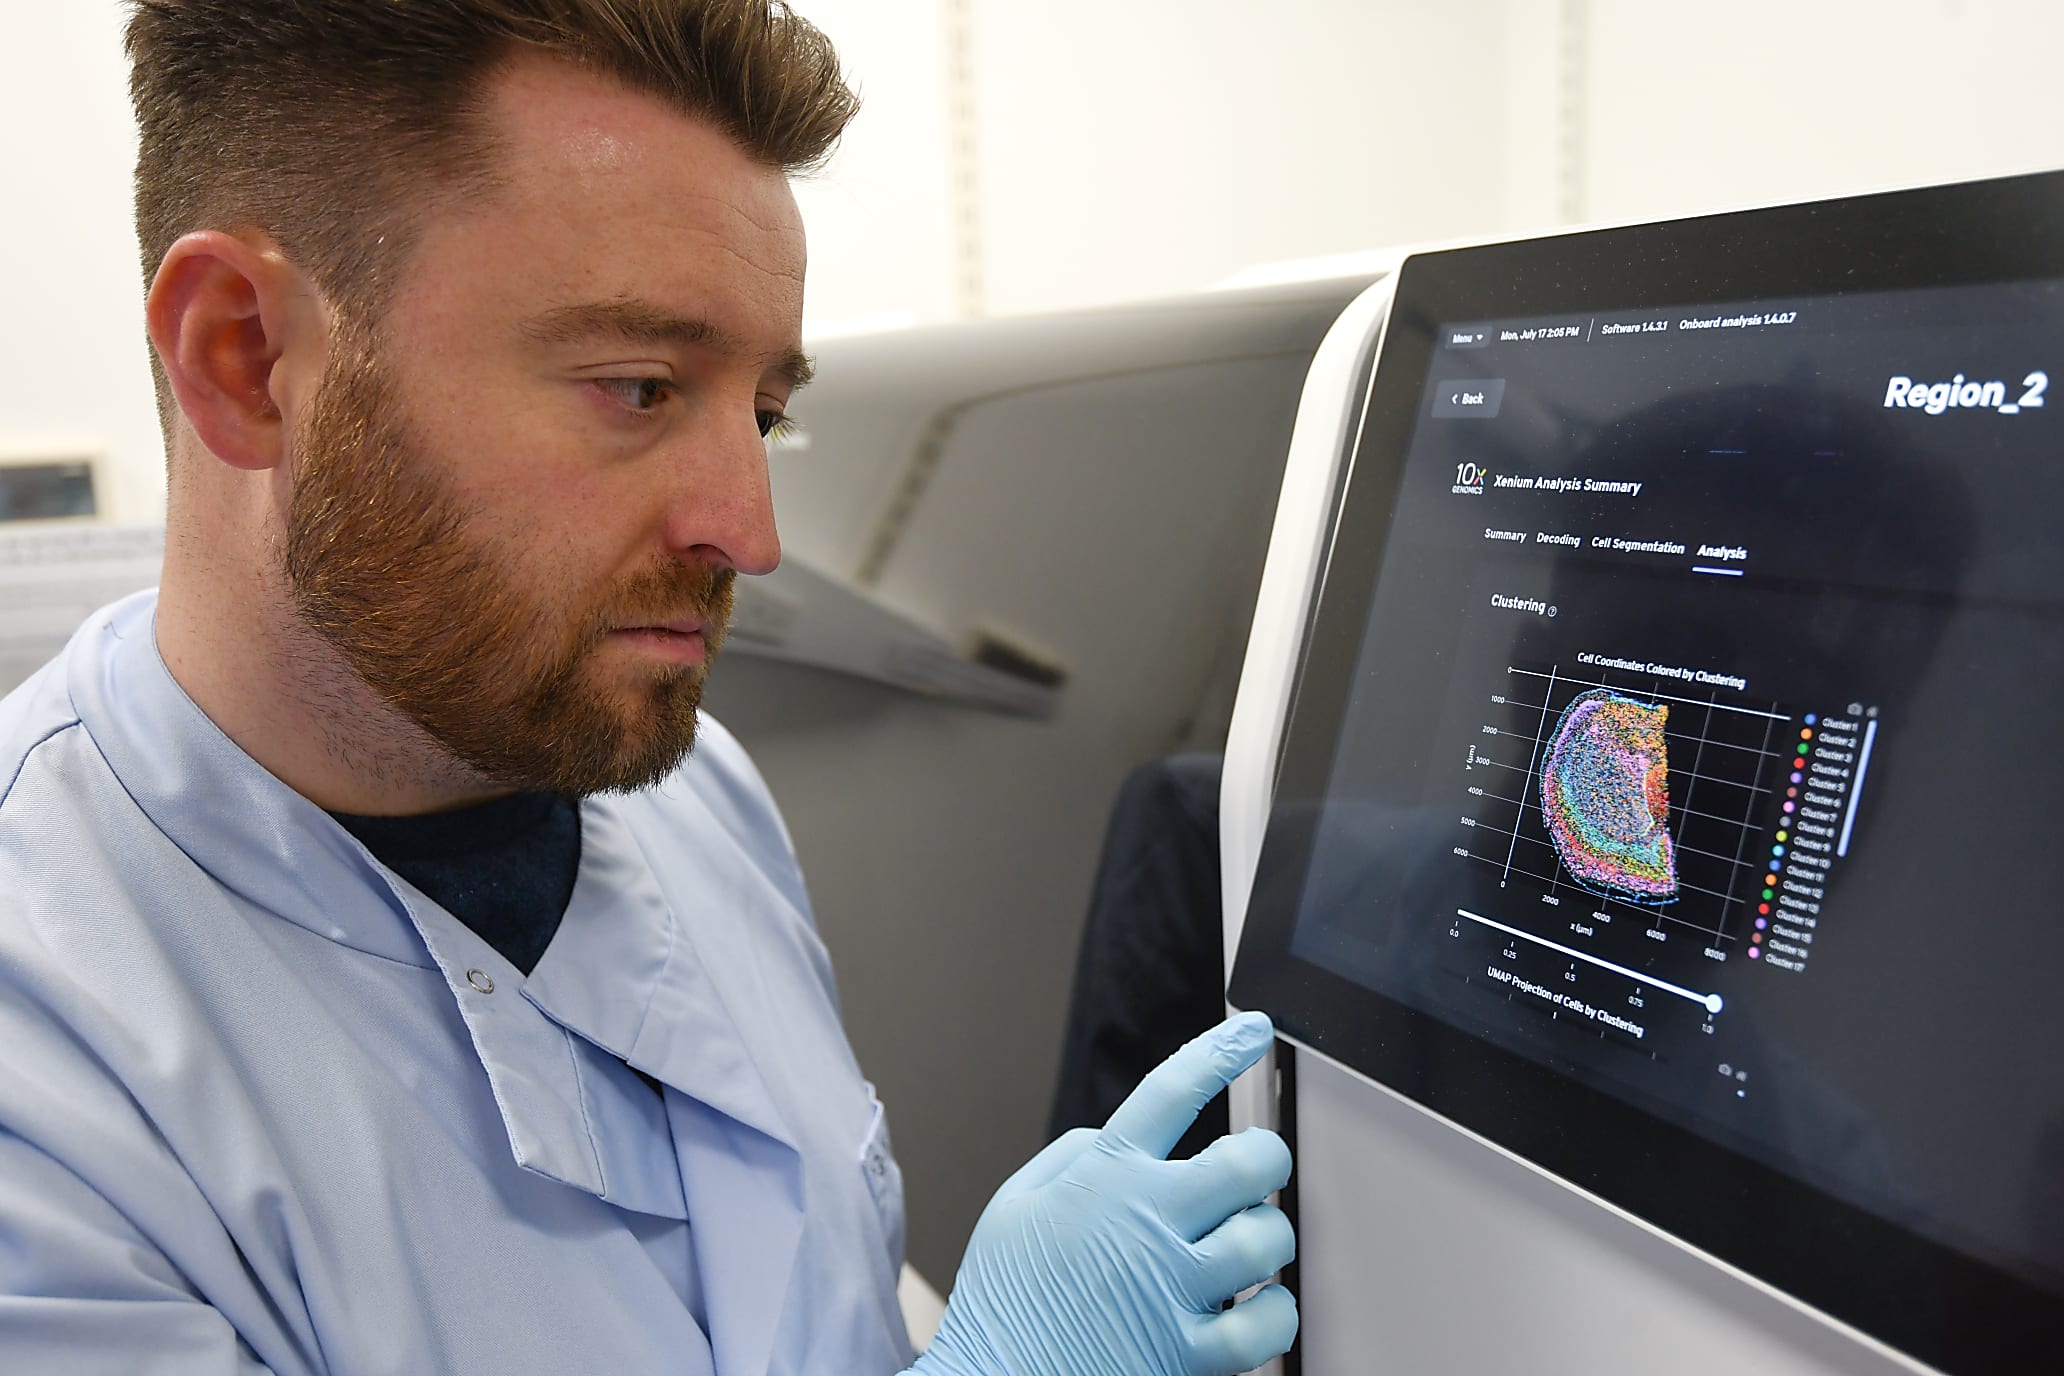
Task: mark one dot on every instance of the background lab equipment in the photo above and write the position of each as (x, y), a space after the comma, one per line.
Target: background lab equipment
(1088, 494)
(1632, 799)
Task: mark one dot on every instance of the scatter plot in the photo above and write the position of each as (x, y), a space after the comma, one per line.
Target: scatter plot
(1605, 796)
(1610, 795)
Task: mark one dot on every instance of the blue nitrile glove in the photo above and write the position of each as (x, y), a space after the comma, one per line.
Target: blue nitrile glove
(1104, 1258)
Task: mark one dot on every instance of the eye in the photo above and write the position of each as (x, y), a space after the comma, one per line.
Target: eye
(641, 395)
(774, 425)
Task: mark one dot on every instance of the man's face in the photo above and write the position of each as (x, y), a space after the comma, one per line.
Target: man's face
(519, 504)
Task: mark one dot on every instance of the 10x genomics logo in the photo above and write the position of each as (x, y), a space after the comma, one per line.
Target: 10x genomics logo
(1965, 394)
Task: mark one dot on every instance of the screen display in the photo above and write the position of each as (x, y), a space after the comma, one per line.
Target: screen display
(1692, 741)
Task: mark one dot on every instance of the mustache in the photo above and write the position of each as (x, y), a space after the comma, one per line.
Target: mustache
(670, 591)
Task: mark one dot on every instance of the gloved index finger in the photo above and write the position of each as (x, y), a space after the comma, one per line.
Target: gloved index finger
(1154, 1116)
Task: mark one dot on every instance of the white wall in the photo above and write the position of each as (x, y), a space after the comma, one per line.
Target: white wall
(1131, 149)
(880, 216)
(1152, 147)
(74, 374)
(1696, 107)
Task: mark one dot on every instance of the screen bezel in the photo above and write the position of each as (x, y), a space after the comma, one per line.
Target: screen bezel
(1942, 1307)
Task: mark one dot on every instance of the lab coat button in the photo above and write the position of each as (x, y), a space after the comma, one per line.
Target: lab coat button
(480, 980)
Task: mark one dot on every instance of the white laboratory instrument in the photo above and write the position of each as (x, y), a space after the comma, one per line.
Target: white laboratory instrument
(1632, 814)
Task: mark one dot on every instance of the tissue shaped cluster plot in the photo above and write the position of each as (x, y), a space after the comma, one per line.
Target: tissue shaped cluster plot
(1605, 794)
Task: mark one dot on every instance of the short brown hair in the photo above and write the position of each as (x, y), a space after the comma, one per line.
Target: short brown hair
(333, 125)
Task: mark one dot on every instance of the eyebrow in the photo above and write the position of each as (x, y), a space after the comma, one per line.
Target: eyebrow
(633, 320)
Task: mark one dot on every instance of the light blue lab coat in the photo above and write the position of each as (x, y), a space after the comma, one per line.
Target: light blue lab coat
(265, 1107)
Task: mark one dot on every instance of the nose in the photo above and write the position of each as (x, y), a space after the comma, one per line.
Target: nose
(721, 511)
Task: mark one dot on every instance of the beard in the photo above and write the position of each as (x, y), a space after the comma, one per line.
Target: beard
(450, 629)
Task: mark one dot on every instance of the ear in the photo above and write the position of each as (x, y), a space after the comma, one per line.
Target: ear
(240, 331)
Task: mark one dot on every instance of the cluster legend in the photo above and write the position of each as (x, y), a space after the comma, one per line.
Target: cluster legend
(1829, 762)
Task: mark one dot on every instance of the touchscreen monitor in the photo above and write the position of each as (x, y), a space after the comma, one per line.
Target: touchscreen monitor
(1666, 797)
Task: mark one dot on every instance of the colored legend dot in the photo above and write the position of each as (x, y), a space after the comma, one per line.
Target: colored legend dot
(1777, 850)
(1807, 734)
(1761, 924)
(1769, 894)
(1764, 909)
(1798, 778)
(1791, 807)
(1755, 951)
(1803, 747)
(1757, 937)
(1771, 879)
(1811, 719)
(1784, 836)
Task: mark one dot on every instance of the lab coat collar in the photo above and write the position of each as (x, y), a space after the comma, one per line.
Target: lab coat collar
(276, 850)
(631, 975)
(255, 836)
(571, 1112)
(624, 972)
